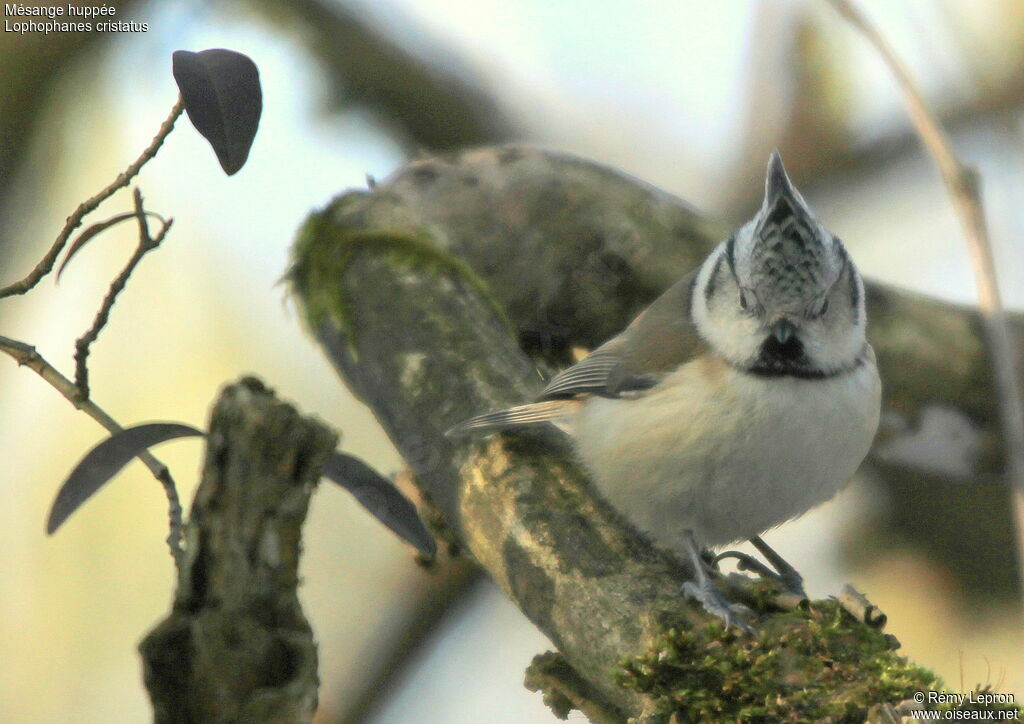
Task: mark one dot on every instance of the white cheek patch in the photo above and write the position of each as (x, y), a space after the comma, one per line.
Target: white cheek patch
(832, 345)
(732, 333)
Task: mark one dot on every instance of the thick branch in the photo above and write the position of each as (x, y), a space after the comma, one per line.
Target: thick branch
(573, 250)
(417, 336)
(236, 646)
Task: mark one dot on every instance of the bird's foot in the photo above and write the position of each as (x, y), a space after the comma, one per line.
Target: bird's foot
(715, 603)
(787, 576)
(747, 562)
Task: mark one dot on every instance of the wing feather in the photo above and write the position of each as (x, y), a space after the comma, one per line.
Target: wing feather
(533, 413)
(656, 343)
(591, 374)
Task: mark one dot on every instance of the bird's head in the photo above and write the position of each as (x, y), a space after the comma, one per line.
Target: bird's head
(781, 296)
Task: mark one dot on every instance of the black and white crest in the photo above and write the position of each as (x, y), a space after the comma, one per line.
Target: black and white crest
(788, 258)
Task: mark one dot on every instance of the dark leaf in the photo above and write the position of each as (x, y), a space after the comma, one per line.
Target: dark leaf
(379, 496)
(91, 231)
(222, 95)
(104, 462)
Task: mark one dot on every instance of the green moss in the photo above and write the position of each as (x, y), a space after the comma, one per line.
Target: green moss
(803, 665)
(325, 247)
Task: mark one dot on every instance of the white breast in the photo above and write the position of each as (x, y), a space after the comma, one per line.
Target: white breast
(726, 454)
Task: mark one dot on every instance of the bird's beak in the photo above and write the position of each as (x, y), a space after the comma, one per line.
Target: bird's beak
(783, 330)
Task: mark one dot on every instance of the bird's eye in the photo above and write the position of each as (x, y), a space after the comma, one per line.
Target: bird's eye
(744, 305)
(816, 313)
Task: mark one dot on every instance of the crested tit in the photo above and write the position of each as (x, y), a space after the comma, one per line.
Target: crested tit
(742, 397)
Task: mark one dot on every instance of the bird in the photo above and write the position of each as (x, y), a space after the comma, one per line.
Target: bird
(742, 397)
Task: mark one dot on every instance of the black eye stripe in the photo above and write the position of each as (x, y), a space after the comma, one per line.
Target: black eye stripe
(713, 280)
(854, 293)
(729, 250)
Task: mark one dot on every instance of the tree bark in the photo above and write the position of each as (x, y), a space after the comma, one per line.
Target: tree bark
(236, 646)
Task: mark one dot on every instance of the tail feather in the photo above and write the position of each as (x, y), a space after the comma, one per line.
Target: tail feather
(532, 414)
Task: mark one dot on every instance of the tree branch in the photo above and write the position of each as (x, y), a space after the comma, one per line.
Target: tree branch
(27, 355)
(418, 336)
(45, 265)
(573, 251)
(146, 244)
(236, 646)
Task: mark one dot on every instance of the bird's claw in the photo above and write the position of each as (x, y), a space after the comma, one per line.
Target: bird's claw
(715, 603)
(788, 577)
(747, 562)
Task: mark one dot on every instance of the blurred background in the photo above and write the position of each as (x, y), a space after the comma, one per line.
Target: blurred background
(690, 96)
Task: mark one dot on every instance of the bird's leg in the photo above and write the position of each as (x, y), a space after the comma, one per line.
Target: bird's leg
(709, 595)
(789, 576)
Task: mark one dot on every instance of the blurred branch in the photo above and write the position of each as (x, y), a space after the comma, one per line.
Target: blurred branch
(424, 102)
(410, 631)
(25, 354)
(963, 185)
(146, 244)
(31, 65)
(236, 645)
(45, 265)
(816, 139)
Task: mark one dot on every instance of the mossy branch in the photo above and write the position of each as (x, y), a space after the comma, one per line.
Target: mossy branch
(422, 344)
(571, 251)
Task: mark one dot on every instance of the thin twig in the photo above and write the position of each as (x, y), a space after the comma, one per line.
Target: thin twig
(146, 245)
(26, 355)
(45, 265)
(963, 184)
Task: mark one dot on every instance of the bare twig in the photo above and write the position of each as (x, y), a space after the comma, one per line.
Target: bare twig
(146, 245)
(26, 355)
(963, 184)
(45, 265)
(858, 606)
